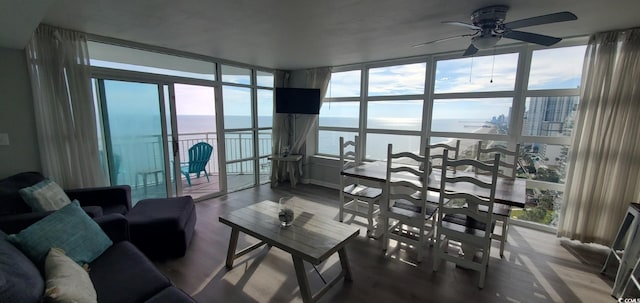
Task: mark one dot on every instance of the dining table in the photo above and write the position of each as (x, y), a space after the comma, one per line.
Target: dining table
(509, 191)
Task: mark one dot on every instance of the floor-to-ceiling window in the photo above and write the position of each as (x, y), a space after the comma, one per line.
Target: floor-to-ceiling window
(393, 108)
(188, 108)
(518, 95)
(340, 111)
(551, 98)
(248, 115)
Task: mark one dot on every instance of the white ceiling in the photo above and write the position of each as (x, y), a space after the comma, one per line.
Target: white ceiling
(294, 34)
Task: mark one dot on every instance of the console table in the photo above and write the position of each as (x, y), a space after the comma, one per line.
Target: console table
(293, 167)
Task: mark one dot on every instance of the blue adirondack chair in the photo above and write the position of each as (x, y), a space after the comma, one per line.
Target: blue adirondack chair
(199, 155)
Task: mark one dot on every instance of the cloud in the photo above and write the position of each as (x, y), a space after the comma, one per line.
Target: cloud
(397, 80)
(344, 84)
(477, 74)
(557, 68)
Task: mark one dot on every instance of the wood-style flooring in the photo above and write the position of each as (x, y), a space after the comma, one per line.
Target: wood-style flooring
(537, 267)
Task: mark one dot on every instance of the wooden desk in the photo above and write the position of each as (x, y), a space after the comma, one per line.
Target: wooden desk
(509, 192)
(294, 167)
(312, 238)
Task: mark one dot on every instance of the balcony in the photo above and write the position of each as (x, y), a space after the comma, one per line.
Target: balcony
(139, 162)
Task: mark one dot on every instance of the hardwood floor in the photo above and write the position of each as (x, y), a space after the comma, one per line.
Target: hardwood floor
(538, 267)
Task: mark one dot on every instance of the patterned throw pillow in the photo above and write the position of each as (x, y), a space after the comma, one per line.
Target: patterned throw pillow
(70, 229)
(45, 196)
(66, 280)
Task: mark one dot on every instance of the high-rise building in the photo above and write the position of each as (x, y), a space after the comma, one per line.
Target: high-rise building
(550, 116)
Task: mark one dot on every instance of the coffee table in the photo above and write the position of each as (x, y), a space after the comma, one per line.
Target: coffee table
(311, 237)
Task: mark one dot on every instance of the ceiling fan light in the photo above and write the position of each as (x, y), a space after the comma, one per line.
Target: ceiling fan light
(484, 42)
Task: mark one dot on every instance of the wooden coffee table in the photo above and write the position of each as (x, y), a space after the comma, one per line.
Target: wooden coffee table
(312, 238)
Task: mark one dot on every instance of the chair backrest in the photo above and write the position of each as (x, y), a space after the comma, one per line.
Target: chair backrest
(508, 165)
(452, 187)
(407, 182)
(349, 153)
(199, 155)
(437, 151)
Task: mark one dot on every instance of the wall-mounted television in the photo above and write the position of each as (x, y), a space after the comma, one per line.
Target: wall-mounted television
(298, 101)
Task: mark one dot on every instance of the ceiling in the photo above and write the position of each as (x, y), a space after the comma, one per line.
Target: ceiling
(295, 34)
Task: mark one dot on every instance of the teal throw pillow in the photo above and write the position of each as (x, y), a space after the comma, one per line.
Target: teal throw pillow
(69, 229)
(46, 195)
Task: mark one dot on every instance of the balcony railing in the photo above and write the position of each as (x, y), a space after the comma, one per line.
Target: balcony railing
(145, 153)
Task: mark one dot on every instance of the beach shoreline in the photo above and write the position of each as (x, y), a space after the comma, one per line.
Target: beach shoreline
(469, 146)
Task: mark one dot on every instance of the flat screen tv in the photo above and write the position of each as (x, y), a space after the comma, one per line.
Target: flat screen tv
(298, 101)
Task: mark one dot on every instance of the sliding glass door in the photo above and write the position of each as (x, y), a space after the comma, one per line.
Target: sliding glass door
(134, 149)
(195, 109)
(148, 130)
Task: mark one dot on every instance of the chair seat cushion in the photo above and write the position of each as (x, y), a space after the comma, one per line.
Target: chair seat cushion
(406, 208)
(363, 191)
(462, 223)
(498, 209)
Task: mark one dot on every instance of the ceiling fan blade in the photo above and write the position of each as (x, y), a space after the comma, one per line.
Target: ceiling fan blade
(471, 50)
(443, 39)
(544, 19)
(532, 38)
(467, 25)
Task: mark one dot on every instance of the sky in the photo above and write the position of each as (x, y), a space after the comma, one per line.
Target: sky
(550, 69)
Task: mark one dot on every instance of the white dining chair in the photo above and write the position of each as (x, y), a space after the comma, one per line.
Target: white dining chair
(355, 198)
(436, 152)
(508, 167)
(466, 225)
(408, 217)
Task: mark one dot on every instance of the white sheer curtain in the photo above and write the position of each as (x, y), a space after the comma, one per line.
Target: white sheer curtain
(279, 137)
(65, 118)
(604, 168)
(303, 124)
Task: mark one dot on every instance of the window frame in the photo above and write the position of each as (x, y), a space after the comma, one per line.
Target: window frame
(518, 95)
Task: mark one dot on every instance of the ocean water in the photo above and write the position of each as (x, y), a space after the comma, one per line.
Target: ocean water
(199, 124)
(329, 140)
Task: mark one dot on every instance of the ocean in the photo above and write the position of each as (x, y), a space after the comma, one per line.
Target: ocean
(329, 140)
(200, 124)
(138, 144)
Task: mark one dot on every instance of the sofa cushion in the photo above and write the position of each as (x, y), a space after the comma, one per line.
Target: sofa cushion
(20, 280)
(124, 274)
(66, 280)
(10, 200)
(69, 228)
(46, 195)
(115, 209)
(170, 294)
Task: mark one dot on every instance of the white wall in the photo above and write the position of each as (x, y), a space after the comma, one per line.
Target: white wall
(17, 117)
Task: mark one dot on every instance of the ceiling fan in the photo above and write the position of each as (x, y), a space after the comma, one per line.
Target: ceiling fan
(489, 27)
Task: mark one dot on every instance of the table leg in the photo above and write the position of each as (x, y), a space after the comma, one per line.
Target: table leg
(344, 262)
(303, 282)
(292, 174)
(233, 243)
